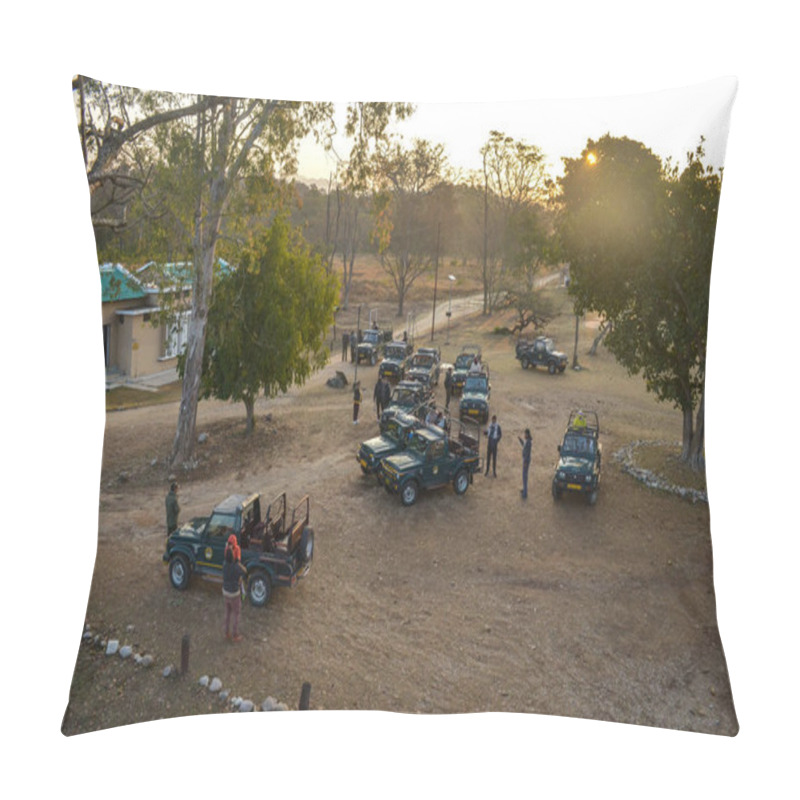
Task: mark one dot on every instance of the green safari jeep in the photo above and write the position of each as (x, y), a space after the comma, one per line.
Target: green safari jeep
(276, 550)
(579, 457)
(395, 432)
(433, 459)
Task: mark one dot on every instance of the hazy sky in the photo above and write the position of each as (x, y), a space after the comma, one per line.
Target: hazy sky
(669, 122)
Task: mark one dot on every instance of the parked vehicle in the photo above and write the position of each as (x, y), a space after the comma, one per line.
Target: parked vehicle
(395, 361)
(541, 353)
(474, 403)
(431, 460)
(462, 364)
(276, 550)
(579, 457)
(395, 433)
(423, 366)
(371, 346)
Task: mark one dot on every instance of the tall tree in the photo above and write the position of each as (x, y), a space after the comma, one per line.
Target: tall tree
(216, 142)
(514, 177)
(639, 239)
(406, 236)
(267, 320)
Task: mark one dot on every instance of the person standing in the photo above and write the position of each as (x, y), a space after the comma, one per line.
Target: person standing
(233, 573)
(526, 461)
(377, 396)
(494, 433)
(357, 397)
(173, 509)
(345, 345)
(448, 387)
(386, 396)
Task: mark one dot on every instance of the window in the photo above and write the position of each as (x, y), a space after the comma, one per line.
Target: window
(176, 334)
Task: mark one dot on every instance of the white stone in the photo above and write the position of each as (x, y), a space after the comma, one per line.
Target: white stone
(112, 647)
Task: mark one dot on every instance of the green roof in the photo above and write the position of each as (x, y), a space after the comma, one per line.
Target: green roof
(118, 284)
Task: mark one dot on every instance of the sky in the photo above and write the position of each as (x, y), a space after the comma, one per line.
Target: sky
(434, 53)
(670, 122)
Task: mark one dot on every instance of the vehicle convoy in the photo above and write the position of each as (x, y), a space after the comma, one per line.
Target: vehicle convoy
(431, 460)
(276, 550)
(395, 361)
(464, 361)
(579, 457)
(424, 366)
(541, 353)
(371, 346)
(474, 403)
(394, 436)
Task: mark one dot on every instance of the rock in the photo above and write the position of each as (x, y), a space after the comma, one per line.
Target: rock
(236, 702)
(224, 694)
(339, 381)
(87, 636)
(112, 647)
(204, 680)
(202, 438)
(146, 661)
(246, 705)
(268, 418)
(215, 685)
(169, 671)
(125, 651)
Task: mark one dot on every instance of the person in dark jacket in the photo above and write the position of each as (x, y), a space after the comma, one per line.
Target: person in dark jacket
(173, 509)
(448, 387)
(378, 396)
(494, 434)
(233, 572)
(526, 461)
(345, 345)
(387, 393)
(357, 397)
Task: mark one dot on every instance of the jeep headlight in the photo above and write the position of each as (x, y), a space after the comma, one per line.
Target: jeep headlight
(561, 476)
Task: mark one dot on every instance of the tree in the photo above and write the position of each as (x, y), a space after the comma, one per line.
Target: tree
(513, 178)
(406, 238)
(267, 320)
(639, 238)
(215, 144)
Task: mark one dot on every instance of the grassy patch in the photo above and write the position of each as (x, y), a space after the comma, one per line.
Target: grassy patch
(123, 397)
(664, 460)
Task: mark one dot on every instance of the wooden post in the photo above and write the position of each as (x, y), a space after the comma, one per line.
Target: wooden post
(185, 654)
(305, 697)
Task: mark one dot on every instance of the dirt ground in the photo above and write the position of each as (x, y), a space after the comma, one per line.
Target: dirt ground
(477, 603)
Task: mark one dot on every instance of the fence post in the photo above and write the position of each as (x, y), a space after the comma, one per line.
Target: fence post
(305, 697)
(185, 654)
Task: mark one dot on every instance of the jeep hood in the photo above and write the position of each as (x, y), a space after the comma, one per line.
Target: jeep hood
(402, 462)
(473, 397)
(378, 445)
(575, 464)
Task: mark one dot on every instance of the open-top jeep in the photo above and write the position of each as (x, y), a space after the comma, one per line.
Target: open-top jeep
(424, 367)
(276, 550)
(474, 403)
(433, 459)
(395, 361)
(579, 459)
(370, 348)
(541, 353)
(395, 433)
(463, 362)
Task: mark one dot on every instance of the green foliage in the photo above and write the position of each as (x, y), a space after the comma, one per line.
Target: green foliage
(267, 320)
(639, 239)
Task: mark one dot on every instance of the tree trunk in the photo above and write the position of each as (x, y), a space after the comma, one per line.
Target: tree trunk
(249, 405)
(605, 327)
(688, 427)
(697, 457)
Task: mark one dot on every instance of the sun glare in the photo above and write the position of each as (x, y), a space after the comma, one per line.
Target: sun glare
(591, 159)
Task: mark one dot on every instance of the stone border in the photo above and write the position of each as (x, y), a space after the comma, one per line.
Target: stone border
(112, 647)
(625, 457)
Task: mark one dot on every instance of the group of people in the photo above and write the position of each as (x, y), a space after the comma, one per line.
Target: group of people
(493, 434)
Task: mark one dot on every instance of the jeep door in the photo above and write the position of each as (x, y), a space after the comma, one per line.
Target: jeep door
(436, 468)
(215, 537)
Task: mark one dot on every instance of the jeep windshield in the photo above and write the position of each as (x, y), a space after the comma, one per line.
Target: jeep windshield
(422, 361)
(396, 353)
(371, 337)
(220, 525)
(418, 444)
(476, 383)
(394, 431)
(464, 360)
(404, 397)
(578, 445)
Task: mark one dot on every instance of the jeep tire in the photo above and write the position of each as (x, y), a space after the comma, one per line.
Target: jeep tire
(525, 363)
(461, 481)
(408, 492)
(259, 588)
(179, 571)
(306, 549)
(556, 492)
(551, 367)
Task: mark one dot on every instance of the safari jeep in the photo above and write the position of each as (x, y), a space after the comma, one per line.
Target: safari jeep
(474, 403)
(370, 348)
(579, 457)
(541, 353)
(463, 362)
(276, 550)
(395, 361)
(432, 460)
(395, 432)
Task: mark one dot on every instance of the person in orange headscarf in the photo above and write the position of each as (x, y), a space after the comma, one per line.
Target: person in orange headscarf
(233, 572)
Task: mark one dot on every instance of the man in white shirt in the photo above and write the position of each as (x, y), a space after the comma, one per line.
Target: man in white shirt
(494, 434)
